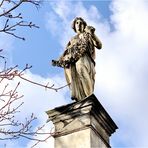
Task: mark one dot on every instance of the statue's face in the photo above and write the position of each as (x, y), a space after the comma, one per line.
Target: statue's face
(79, 26)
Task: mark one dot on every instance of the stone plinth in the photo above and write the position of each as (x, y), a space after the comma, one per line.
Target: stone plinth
(83, 124)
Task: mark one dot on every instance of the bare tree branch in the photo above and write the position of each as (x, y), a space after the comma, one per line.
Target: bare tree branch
(17, 4)
(11, 128)
(5, 12)
(2, 3)
(10, 100)
(10, 103)
(12, 72)
(9, 17)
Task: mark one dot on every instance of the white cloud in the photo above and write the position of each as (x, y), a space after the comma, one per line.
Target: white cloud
(124, 83)
(37, 100)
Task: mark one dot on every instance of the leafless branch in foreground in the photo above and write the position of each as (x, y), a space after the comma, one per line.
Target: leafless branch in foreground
(10, 100)
(10, 103)
(13, 21)
(10, 128)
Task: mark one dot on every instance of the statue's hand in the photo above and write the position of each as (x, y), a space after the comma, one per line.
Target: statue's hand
(54, 62)
(57, 63)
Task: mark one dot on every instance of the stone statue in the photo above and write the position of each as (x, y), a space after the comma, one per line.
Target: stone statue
(78, 60)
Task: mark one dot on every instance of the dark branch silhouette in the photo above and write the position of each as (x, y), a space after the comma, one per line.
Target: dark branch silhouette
(10, 103)
(8, 16)
(10, 100)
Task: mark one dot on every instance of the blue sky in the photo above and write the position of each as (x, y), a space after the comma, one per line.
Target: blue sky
(121, 66)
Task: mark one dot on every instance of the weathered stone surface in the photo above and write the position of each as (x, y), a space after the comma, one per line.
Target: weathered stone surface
(78, 60)
(82, 124)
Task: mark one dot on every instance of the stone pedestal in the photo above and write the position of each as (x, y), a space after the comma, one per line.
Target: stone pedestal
(83, 124)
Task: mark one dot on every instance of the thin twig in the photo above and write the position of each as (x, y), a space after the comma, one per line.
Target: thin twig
(11, 9)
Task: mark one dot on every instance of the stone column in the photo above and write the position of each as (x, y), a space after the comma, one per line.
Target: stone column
(83, 124)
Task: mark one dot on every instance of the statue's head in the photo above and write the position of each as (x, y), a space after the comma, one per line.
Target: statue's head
(78, 25)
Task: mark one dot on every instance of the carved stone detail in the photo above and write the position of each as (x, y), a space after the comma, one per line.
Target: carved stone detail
(86, 115)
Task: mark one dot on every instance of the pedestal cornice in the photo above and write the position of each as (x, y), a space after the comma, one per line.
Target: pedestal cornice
(82, 115)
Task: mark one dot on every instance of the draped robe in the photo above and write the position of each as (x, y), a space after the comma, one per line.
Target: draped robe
(79, 66)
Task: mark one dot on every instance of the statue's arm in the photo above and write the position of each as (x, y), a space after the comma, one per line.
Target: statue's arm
(91, 31)
(97, 43)
(61, 58)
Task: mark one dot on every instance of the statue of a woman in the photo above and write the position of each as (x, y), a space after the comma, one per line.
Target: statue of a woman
(78, 60)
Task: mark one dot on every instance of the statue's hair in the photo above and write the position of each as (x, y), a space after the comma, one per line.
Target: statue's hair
(74, 21)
